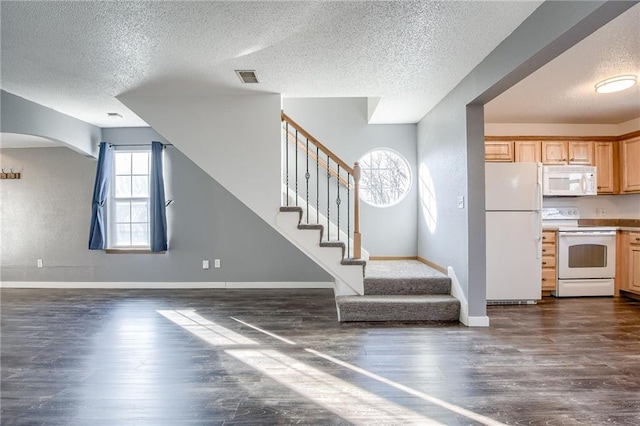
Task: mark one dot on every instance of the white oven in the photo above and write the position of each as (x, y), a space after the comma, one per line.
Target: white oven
(586, 261)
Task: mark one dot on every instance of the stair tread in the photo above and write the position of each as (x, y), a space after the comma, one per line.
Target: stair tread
(310, 226)
(290, 209)
(331, 244)
(401, 269)
(395, 298)
(350, 261)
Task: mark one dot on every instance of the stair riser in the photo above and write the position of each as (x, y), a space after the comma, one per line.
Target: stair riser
(418, 286)
(442, 312)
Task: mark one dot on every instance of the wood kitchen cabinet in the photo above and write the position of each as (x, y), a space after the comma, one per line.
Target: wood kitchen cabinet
(549, 271)
(630, 165)
(527, 151)
(606, 160)
(561, 152)
(628, 262)
(554, 152)
(501, 151)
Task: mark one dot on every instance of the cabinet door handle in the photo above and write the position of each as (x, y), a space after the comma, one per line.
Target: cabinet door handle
(544, 238)
(544, 279)
(544, 263)
(637, 239)
(544, 250)
(564, 159)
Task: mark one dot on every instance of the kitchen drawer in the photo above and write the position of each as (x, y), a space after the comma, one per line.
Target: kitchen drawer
(634, 238)
(549, 236)
(548, 249)
(548, 279)
(548, 262)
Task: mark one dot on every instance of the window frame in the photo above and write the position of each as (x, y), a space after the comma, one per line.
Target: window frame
(111, 223)
(403, 159)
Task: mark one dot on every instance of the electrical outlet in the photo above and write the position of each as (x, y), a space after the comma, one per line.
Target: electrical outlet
(205, 264)
(40, 264)
(461, 202)
(216, 263)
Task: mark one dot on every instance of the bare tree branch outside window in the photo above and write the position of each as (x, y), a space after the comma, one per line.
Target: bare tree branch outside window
(385, 178)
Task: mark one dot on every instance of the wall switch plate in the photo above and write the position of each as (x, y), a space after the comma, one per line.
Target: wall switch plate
(216, 263)
(40, 264)
(461, 202)
(205, 264)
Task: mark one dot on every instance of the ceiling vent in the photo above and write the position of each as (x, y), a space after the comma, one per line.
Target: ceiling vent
(247, 76)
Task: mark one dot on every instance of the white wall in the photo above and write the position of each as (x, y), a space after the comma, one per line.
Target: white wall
(46, 214)
(554, 129)
(234, 138)
(341, 125)
(21, 116)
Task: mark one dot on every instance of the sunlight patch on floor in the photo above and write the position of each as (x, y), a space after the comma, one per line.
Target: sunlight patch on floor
(349, 401)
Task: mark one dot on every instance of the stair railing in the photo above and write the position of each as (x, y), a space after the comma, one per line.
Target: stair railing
(325, 182)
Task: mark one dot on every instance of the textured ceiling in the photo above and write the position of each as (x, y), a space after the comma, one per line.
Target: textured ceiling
(76, 57)
(563, 91)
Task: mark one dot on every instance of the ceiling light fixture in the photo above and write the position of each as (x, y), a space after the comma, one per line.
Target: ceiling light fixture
(616, 84)
(114, 115)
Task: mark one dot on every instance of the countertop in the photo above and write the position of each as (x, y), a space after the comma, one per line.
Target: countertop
(621, 224)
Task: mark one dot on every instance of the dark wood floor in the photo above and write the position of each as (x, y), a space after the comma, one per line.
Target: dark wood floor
(107, 357)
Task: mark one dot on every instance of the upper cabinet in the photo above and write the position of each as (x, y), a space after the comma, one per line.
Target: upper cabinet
(581, 152)
(606, 160)
(554, 152)
(527, 152)
(498, 151)
(630, 165)
(573, 152)
(617, 158)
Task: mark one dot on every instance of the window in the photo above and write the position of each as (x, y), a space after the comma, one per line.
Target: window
(385, 177)
(129, 200)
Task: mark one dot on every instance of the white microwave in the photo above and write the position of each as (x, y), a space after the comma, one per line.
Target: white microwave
(569, 181)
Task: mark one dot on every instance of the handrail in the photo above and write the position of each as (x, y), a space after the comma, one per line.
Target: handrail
(334, 157)
(351, 182)
(323, 163)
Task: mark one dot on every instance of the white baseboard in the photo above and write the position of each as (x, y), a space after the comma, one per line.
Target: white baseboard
(456, 291)
(478, 321)
(162, 285)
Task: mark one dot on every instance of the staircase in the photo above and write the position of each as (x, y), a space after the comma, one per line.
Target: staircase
(402, 290)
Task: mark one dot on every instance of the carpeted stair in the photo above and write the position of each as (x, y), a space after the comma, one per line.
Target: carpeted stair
(401, 290)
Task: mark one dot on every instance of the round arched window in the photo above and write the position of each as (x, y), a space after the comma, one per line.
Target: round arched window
(385, 177)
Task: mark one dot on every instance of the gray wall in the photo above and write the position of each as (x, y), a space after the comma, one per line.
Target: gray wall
(46, 215)
(450, 136)
(341, 125)
(18, 115)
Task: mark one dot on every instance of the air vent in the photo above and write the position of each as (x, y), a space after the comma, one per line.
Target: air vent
(114, 115)
(247, 76)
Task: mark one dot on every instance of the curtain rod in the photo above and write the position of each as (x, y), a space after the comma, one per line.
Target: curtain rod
(139, 144)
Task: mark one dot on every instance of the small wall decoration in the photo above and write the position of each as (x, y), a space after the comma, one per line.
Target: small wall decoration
(10, 175)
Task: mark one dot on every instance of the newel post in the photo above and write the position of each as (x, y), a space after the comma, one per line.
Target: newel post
(357, 241)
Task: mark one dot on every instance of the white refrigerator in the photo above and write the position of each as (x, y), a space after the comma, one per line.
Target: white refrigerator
(513, 201)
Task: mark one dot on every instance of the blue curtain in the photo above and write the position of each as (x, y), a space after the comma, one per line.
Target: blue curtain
(157, 208)
(97, 235)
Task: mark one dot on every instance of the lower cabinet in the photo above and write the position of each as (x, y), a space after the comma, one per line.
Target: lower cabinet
(628, 261)
(549, 271)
